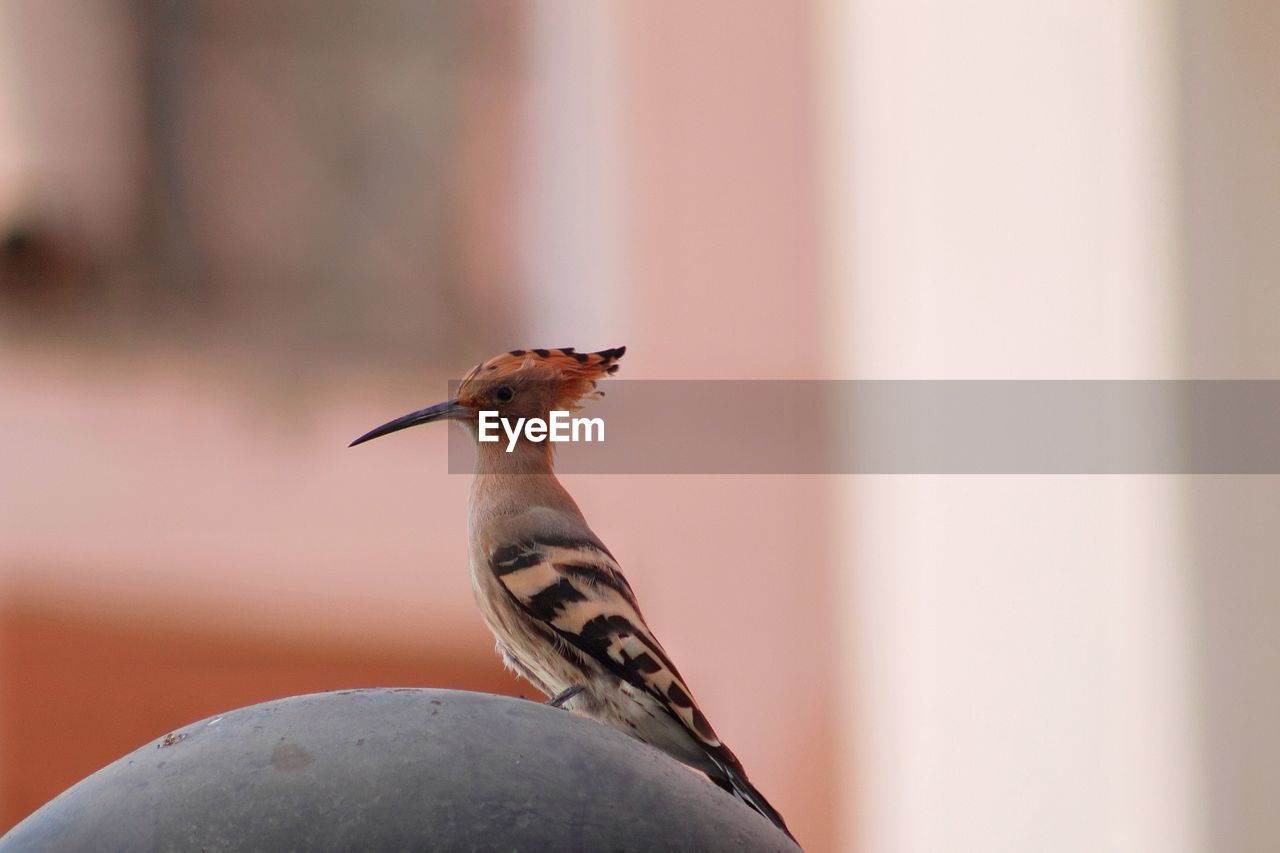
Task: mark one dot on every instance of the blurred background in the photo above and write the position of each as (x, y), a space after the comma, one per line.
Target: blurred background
(234, 235)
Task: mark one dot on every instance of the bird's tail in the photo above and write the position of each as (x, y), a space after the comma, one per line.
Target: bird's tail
(733, 780)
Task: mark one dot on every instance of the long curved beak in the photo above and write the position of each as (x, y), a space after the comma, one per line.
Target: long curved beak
(450, 410)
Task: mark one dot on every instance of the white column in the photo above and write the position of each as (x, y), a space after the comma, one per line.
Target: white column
(1001, 182)
(569, 204)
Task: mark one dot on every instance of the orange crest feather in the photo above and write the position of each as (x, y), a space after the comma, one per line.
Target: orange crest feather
(572, 374)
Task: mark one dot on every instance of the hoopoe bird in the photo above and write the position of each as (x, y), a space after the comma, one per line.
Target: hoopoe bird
(553, 595)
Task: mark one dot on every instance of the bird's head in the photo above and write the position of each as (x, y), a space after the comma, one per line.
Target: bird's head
(517, 384)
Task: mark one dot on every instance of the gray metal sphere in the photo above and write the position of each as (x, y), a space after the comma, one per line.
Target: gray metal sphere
(395, 769)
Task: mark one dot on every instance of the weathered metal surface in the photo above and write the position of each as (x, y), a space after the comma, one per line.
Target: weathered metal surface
(395, 769)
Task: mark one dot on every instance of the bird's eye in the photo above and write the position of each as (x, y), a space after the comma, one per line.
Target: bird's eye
(504, 394)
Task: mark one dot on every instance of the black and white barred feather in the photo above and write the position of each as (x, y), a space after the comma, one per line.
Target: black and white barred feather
(574, 591)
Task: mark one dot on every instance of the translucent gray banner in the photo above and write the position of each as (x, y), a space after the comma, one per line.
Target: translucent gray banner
(924, 427)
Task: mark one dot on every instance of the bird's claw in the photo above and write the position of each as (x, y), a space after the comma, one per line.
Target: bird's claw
(565, 695)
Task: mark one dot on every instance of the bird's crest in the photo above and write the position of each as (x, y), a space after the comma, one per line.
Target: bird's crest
(572, 375)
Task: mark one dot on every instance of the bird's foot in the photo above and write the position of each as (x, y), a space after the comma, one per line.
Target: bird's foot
(565, 695)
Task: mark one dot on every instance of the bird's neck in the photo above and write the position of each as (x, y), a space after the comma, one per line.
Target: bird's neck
(527, 458)
(510, 483)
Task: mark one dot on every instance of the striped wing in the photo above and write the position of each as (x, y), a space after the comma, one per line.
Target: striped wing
(574, 587)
